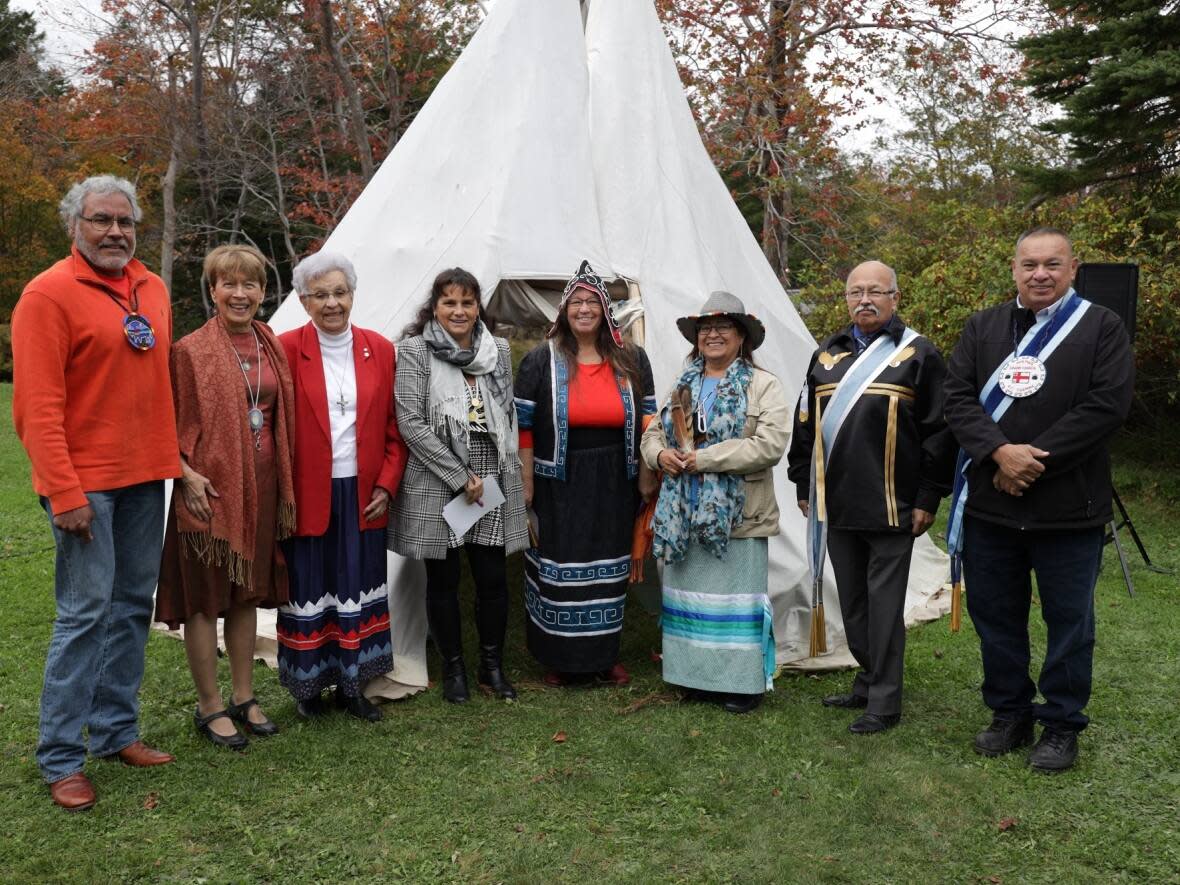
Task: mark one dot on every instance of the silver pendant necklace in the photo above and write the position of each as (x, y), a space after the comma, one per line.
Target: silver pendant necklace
(254, 416)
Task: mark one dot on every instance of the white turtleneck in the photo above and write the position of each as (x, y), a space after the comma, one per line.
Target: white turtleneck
(340, 379)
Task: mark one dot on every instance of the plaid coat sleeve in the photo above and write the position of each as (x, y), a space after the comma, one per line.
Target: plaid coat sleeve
(412, 395)
(434, 475)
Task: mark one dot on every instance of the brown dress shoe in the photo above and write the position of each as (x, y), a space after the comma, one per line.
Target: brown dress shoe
(140, 755)
(74, 793)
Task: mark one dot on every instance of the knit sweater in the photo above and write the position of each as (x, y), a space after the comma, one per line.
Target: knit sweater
(92, 412)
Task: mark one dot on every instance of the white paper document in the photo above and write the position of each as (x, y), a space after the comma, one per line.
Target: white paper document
(461, 516)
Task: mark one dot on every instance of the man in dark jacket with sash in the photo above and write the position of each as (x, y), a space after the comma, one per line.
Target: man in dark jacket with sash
(1035, 389)
(871, 479)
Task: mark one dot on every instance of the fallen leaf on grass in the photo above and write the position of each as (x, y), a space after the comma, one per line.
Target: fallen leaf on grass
(1006, 824)
(151, 801)
(559, 738)
(695, 733)
(776, 792)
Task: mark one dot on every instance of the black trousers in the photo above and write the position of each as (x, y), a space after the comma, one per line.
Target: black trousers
(487, 570)
(491, 600)
(872, 570)
(997, 566)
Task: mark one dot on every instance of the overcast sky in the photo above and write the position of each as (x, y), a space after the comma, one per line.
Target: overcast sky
(68, 26)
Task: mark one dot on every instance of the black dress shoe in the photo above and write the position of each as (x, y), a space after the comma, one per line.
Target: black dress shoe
(358, 706)
(743, 703)
(846, 701)
(872, 723)
(1003, 736)
(235, 741)
(1056, 751)
(701, 696)
(310, 708)
(240, 713)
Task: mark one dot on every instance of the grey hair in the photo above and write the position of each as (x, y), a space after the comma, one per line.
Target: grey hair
(315, 266)
(70, 207)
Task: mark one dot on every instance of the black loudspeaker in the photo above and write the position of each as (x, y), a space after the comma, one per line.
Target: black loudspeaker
(1115, 286)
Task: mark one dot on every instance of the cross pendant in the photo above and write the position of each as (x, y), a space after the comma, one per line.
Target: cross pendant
(342, 402)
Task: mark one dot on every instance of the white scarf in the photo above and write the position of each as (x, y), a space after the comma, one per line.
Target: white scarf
(448, 398)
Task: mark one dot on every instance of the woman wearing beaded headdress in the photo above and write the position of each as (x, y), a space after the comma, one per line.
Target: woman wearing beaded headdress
(234, 501)
(582, 400)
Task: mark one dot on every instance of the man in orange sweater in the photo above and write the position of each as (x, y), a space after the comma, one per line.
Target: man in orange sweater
(92, 403)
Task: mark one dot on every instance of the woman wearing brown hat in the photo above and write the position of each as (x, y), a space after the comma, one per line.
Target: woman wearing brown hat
(722, 429)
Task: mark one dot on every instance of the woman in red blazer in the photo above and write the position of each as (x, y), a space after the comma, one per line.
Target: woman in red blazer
(349, 459)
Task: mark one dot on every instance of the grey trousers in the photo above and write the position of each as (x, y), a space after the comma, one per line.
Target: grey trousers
(872, 570)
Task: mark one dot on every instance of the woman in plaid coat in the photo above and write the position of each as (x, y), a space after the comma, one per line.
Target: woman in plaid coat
(455, 411)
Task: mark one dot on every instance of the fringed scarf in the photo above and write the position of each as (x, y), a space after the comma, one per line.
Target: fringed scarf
(215, 439)
(448, 390)
(722, 496)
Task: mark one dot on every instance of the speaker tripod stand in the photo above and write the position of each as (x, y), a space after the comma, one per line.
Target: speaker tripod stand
(1123, 520)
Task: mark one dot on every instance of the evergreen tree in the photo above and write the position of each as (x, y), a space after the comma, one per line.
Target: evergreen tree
(1114, 68)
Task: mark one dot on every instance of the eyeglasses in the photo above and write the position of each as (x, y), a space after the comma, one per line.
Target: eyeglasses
(721, 327)
(857, 294)
(106, 222)
(339, 294)
(578, 303)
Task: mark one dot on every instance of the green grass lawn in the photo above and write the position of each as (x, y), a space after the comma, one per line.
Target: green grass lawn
(643, 788)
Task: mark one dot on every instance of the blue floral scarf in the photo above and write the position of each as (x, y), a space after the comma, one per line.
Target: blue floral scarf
(722, 496)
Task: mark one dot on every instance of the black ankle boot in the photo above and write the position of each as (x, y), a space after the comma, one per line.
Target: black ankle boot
(454, 685)
(491, 617)
(491, 672)
(442, 615)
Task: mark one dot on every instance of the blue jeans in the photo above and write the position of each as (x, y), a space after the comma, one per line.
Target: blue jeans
(104, 607)
(996, 570)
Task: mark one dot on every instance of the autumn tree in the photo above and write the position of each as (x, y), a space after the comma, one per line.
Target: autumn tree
(30, 237)
(770, 82)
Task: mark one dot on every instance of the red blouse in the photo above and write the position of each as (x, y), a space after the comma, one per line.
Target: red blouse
(594, 401)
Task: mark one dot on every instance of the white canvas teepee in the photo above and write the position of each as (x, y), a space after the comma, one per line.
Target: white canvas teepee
(549, 142)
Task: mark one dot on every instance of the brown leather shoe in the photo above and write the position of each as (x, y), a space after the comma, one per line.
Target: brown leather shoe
(74, 793)
(140, 755)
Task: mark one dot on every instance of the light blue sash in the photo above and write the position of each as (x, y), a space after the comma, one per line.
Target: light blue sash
(867, 369)
(1040, 341)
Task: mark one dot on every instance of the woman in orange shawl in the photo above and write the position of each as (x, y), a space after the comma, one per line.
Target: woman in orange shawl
(234, 500)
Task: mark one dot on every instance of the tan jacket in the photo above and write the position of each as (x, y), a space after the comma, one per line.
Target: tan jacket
(764, 439)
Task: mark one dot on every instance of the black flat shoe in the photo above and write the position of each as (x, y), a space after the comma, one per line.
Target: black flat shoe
(873, 723)
(235, 741)
(846, 701)
(700, 696)
(743, 703)
(311, 707)
(358, 706)
(239, 713)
